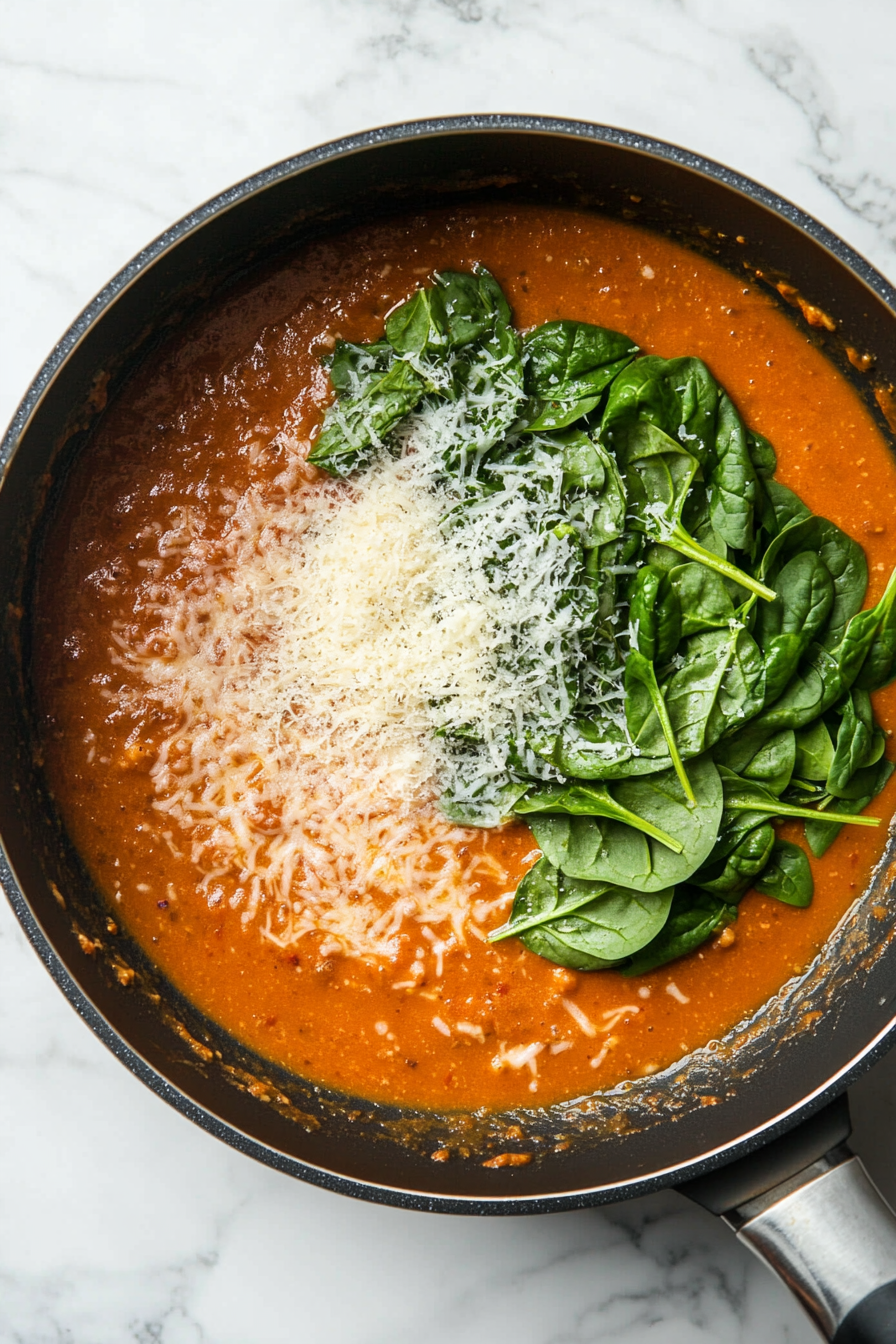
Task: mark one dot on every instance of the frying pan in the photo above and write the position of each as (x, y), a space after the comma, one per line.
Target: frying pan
(754, 1127)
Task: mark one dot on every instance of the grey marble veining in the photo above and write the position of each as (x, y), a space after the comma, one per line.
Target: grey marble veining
(119, 1221)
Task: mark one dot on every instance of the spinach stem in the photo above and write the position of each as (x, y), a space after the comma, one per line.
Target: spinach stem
(659, 705)
(804, 813)
(510, 930)
(678, 540)
(632, 819)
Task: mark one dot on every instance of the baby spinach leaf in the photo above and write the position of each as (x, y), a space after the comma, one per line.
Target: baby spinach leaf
(733, 485)
(655, 624)
(736, 751)
(608, 851)
(704, 600)
(788, 506)
(654, 614)
(484, 807)
(589, 800)
(867, 654)
(378, 392)
(640, 672)
(815, 686)
(814, 752)
(860, 743)
(583, 925)
(489, 376)
(584, 462)
(351, 366)
(587, 748)
(419, 326)
(695, 916)
(787, 876)
(731, 875)
(762, 455)
(820, 835)
(660, 474)
(712, 693)
(597, 500)
(678, 396)
(786, 627)
(474, 305)
(774, 762)
(843, 558)
(568, 366)
(681, 398)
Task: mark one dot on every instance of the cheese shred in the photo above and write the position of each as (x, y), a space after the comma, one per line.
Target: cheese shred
(317, 659)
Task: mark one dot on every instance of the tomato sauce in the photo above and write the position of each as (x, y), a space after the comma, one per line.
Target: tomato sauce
(191, 429)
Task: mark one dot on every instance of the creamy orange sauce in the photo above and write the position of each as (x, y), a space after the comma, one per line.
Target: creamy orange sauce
(195, 427)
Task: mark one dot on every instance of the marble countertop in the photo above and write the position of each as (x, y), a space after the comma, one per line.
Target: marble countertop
(120, 1221)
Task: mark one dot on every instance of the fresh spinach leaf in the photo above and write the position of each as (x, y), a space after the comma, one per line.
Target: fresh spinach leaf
(596, 495)
(608, 851)
(655, 625)
(821, 835)
(774, 762)
(843, 558)
(860, 744)
(814, 752)
(654, 614)
(489, 376)
(703, 598)
(379, 391)
(640, 673)
(787, 876)
(466, 307)
(786, 627)
(583, 925)
(816, 685)
(419, 326)
(589, 748)
(788, 506)
(695, 916)
(484, 807)
(731, 875)
(589, 800)
(762, 455)
(867, 654)
(712, 693)
(660, 474)
(568, 366)
(733, 485)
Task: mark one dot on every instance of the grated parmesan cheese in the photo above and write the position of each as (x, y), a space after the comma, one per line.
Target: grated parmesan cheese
(315, 656)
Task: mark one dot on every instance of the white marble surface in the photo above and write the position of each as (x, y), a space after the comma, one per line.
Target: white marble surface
(119, 1221)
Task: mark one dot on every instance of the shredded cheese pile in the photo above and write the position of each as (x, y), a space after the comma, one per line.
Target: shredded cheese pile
(311, 656)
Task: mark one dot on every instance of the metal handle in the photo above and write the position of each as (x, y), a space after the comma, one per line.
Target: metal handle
(832, 1240)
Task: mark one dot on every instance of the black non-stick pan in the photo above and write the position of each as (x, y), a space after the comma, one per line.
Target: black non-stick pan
(754, 1126)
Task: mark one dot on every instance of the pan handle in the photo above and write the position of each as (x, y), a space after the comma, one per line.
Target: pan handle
(833, 1242)
(820, 1224)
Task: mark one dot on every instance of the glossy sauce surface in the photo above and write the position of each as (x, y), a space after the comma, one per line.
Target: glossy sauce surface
(228, 406)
